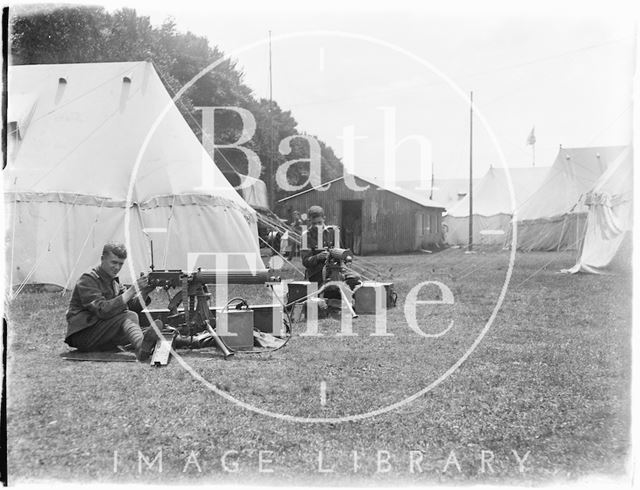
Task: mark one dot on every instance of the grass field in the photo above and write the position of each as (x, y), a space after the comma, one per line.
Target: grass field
(550, 380)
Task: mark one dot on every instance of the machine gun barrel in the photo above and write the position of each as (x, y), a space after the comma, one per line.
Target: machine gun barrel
(231, 276)
(343, 254)
(173, 278)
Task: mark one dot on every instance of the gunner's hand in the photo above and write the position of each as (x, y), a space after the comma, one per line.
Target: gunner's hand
(142, 282)
(322, 256)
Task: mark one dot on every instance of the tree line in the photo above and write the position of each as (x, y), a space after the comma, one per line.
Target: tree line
(89, 34)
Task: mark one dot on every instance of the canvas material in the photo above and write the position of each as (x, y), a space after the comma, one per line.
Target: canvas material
(67, 184)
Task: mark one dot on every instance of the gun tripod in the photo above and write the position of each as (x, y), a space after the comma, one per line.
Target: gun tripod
(197, 315)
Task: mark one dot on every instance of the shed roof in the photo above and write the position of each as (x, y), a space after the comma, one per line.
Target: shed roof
(415, 197)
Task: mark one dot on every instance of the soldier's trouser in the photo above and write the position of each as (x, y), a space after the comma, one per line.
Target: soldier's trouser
(121, 329)
(351, 278)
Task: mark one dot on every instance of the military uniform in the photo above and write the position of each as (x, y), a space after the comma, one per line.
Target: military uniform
(314, 264)
(98, 318)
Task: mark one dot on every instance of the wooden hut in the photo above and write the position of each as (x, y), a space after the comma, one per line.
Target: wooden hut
(376, 219)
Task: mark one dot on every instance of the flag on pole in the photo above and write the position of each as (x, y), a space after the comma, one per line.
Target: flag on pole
(531, 140)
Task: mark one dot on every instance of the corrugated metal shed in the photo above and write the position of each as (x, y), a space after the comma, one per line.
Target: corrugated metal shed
(390, 220)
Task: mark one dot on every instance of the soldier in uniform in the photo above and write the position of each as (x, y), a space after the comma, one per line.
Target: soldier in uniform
(315, 255)
(102, 314)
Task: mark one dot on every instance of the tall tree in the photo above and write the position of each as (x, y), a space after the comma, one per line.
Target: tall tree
(49, 34)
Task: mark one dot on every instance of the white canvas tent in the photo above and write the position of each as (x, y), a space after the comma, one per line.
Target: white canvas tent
(450, 191)
(76, 134)
(254, 191)
(446, 192)
(609, 220)
(554, 217)
(493, 206)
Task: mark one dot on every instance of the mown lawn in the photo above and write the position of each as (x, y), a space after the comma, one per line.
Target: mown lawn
(549, 380)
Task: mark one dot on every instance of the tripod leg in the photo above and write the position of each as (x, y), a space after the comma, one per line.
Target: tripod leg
(345, 298)
(216, 338)
(347, 301)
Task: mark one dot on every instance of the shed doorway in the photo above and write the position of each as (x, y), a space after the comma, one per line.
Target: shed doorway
(351, 225)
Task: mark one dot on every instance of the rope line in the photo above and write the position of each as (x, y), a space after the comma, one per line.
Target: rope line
(281, 256)
(421, 85)
(166, 245)
(39, 259)
(553, 259)
(279, 226)
(75, 147)
(209, 138)
(361, 268)
(83, 94)
(13, 241)
(549, 232)
(84, 244)
(573, 162)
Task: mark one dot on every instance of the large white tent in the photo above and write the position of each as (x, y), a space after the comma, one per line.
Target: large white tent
(554, 218)
(92, 144)
(493, 205)
(607, 236)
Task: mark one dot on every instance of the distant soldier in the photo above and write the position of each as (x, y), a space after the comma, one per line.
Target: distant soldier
(102, 314)
(296, 224)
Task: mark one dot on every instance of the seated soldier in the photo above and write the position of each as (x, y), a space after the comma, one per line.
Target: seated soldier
(102, 314)
(315, 255)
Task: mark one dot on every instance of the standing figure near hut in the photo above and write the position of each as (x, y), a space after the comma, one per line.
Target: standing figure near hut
(357, 236)
(347, 226)
(296, 224)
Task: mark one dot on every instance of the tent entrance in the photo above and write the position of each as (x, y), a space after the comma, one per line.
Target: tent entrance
(351, 225)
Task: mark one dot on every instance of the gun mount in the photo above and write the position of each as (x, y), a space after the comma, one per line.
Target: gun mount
(196, 315)
(333, 267)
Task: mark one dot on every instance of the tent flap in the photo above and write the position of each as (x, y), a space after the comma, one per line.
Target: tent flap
(609, 219)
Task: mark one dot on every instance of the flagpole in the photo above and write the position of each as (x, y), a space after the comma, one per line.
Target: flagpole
(531, 140)
(470, 246)
(533, 149)
(432, 180)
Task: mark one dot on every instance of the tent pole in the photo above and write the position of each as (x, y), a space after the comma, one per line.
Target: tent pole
(533, 149)
(432, 179)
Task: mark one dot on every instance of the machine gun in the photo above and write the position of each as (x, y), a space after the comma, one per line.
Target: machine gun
(337, 259)
(196, 316)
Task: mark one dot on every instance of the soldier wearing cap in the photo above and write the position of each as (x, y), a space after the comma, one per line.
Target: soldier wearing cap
(102, 314)
(314, 253)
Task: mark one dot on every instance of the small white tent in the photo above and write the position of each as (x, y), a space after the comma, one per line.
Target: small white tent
(493, 205)
(609, 219)
(254, 191)
(92, 143)
(446, 192)
(449, 192)
(554, 217)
